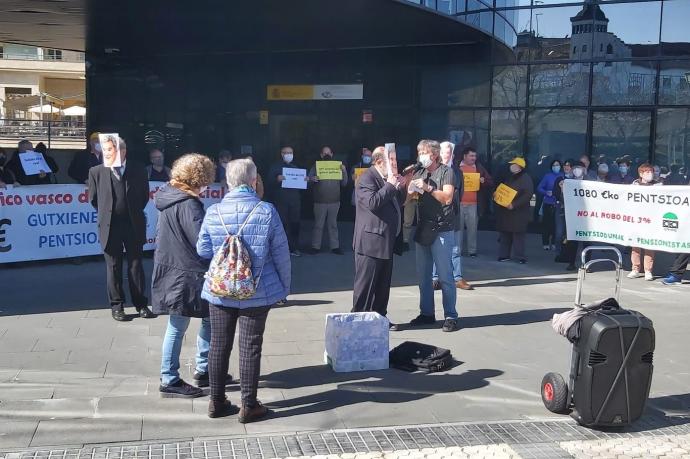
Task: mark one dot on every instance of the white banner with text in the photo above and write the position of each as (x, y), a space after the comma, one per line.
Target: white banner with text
(57, 221)
(650, 217)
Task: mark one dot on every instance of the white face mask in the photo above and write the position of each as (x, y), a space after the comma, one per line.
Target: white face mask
(514, 168)
(578, 172)
(366, 159)
(288, 158)
(425, 160)
(648, 176)
(98, 147)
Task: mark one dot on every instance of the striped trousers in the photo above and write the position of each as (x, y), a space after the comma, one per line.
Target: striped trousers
(252, 323)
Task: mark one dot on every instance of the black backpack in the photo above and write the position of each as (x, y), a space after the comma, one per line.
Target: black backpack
(411, 356)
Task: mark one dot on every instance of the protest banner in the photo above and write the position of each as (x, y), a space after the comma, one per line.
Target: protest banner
(359, 171)
(110, 145)
(294, 178)
(57, 221)
(33, 163)
(471, 181)
(391, 159)
(650, 217)
(329, 170)
(504, 195)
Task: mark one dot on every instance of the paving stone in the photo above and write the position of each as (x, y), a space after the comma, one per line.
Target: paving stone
(71, 431)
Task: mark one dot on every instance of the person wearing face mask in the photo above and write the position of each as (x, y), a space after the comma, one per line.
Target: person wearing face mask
(157, 170)
(435, 236)
(448, 159)
(646, 172)
(6, 175)
(511, 221)
(589, 174)
(363, 163)
(603, 172)
(326, 194)
(559, 208)
(288, 201)
(569, 248)
(623, 176)
(178, 272)
(84, 160)
(546, 189)
(224, 157)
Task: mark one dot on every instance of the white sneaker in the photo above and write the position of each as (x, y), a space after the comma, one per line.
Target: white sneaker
(546, 247)
(634, 274)
(553, 247)
(648, 276)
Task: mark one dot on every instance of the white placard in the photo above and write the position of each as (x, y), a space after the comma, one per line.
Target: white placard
(650, 217)
(43, 222)
(34, 163)
(294, 178)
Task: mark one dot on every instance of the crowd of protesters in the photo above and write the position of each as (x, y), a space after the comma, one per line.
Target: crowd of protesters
(430, 192)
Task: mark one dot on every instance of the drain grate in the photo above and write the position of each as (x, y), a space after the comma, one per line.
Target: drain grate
(530, 439)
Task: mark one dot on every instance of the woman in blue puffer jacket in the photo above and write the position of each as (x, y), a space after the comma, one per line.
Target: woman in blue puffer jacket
(545, 188)
(264, 238)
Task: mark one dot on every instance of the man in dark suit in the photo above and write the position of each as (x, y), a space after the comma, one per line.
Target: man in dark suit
(120, 194)
(83, 161)
(378, 225)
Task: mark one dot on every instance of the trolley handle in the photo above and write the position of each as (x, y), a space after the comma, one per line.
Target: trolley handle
(582, 272)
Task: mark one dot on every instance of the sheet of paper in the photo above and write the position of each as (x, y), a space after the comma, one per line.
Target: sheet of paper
(391, 159)
(504, 195)
(110, 145)
(471, 181)
(329, 170)
(33, 163)
(294, 178)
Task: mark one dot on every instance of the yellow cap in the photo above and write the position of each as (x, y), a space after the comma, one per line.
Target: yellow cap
(519, 161)
(93, 136)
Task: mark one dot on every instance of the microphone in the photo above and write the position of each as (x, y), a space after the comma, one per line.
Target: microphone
(413, 168)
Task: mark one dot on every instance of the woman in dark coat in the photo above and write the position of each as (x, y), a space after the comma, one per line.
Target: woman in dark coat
(178, 271)
(511, 221)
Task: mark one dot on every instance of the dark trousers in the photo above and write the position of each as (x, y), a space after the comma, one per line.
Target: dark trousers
(224, 321)
(548, 225)
(290, 212)
(514, 241)
(680, 264)
(121, 237)
(372, 284)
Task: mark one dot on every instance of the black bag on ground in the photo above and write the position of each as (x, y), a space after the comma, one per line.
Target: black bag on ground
(412, 356)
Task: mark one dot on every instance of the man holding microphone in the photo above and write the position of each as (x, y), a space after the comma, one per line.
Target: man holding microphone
(435, 235)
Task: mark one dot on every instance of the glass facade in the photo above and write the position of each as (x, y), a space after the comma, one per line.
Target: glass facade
(606, 77)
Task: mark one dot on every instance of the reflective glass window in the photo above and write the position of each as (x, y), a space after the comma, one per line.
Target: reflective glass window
(512, 28)
(674, 83)
(509, 88)
(469, 128)
(507, 133)
(482, 20)
(556, 134)
(553, 35)
(511, 3)
(632, 29)
(458, 86)
(673, 137)
(615, 134)
(559, 84)
(675, 33)
(624, 83)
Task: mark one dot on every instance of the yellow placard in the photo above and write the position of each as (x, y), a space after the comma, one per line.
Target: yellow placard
(329, 170)
(359, 171)
(504, 195)
(290, 92)
(471, 181)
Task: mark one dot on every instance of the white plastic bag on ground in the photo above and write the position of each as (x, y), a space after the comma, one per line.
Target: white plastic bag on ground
(356, 341)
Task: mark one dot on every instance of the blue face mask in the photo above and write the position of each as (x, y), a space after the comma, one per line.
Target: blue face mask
(366, 159)
(556, 169)
(623, 170)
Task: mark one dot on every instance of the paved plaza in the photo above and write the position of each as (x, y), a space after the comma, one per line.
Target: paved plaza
(72, 379)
